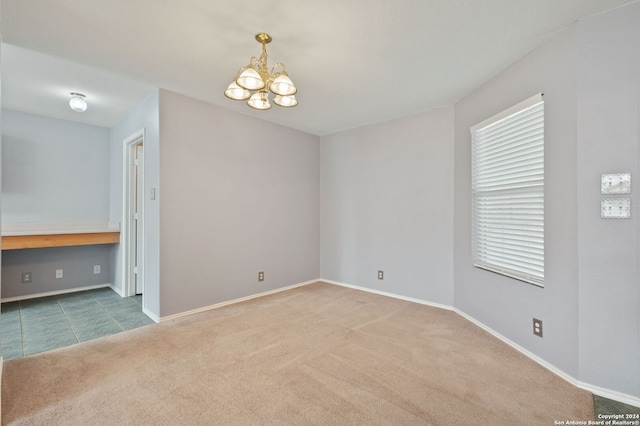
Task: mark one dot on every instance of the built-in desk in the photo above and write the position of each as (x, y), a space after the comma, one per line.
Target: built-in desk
(29, 235)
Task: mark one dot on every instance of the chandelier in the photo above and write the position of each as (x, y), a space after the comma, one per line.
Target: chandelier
(253, 80)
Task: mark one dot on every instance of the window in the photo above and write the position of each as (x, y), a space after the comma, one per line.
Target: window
(508, 192)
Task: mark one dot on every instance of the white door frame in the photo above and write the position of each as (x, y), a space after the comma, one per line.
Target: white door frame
(128, 229)
(139, 231)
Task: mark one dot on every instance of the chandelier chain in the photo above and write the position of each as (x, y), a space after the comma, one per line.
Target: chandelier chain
(262, 65)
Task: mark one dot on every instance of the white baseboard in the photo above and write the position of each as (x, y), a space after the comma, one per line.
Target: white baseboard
(53, 293)
(384, 293)
(150, 314)
(145, 311)
(606, 393)
(231, 302)
(117, 290)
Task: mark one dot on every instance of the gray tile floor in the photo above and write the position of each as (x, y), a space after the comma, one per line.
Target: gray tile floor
(608, 406)
(37, 325)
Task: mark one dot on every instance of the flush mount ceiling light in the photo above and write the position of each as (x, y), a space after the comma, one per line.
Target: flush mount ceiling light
(253, 80)
(77, 102)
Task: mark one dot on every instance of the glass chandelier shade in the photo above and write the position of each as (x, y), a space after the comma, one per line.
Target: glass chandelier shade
(260, 100)
(285, 101)
(254, 82)
(282, 85)
(236, 92)
(250, 79)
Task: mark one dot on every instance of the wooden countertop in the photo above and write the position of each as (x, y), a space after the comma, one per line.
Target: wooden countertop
(17, 236)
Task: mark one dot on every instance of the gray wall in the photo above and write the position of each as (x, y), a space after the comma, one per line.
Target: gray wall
(53, 171)
(239, 196)
(504, 304)
(608, 133)
(143, 116)
(387, 204)
(76, 262)
(590, 304)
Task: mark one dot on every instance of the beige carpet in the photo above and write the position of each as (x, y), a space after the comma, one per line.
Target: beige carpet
(315, 355)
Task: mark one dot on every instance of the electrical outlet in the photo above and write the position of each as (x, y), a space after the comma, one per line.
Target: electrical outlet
(260, 276)
(59, 273)
(96, 269)
(537, 327)
(26, 277)
(381, 275)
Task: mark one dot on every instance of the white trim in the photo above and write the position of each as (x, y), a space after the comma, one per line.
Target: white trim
(51, 228)
(117, 290)
(128, 144)
(395, 296)
(53, 293)
(145, 311)
(522, 350)
(606, 393)
(234, 301)
(140, 225)
(509, 111)
(610, 394)
(150, 314)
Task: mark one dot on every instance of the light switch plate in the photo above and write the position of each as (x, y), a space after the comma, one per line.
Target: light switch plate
(616, 183)
(616, 208)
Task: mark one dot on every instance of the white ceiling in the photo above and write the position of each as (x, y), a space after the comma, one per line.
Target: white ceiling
(355, 62)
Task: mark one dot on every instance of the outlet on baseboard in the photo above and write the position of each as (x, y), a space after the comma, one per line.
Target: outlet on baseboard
(59, 273)
(260, 276)
(26, 277)
(537, 327)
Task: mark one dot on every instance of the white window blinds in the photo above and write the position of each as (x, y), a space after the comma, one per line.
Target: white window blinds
(508, 192)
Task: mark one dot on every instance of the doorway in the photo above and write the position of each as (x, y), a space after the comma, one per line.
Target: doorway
(133, 223)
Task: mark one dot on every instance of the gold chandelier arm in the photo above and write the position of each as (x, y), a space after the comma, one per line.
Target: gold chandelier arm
(253, 63)
(273, 69)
